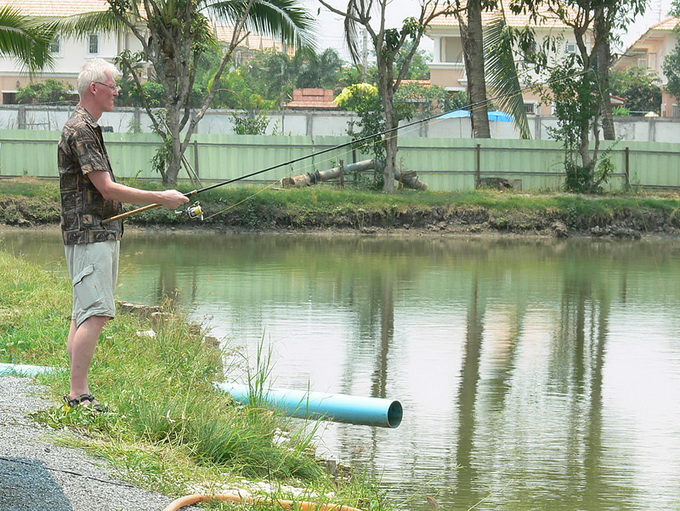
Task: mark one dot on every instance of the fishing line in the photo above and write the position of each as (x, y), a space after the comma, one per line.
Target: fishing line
(356, 143)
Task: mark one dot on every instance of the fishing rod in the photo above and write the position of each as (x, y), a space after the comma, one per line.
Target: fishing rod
(195, 212)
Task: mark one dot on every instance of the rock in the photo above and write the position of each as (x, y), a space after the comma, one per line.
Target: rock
(560, 229)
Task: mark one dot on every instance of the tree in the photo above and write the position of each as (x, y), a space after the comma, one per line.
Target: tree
(410, 100)
(472, 38)
(317, 70)
(418, 69)
(173, 35)
(26, 39)
(387, 42)
(639, 87)
(579, 85)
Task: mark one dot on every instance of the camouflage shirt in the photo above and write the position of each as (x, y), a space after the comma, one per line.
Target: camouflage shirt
(81, 151)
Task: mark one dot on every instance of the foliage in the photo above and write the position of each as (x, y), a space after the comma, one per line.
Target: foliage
(418, 68)
(364, 99)
(25, 38)
(49, 92)
(671, 68)
(254, 124)
(501, 70)
(671, 64)
(317, 70)
(239, 90)
(267, 78)
(640, 88)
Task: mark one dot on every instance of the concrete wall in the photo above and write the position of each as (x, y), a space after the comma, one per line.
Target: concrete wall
(319, 123)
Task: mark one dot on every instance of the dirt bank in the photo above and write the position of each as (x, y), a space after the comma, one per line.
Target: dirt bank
(630, 223)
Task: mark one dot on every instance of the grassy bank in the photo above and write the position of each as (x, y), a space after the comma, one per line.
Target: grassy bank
(30, 202)
(166, 428)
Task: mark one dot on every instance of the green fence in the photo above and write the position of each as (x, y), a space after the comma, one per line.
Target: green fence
(443, 163)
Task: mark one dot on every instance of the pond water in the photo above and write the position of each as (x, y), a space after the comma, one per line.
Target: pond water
(534, 374)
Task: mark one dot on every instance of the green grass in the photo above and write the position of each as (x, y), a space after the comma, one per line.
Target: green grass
(166, 427)
(29, 187)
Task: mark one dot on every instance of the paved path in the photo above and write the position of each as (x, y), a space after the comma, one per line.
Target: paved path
(38, 475)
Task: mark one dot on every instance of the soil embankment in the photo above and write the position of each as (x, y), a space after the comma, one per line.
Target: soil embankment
(628, 223)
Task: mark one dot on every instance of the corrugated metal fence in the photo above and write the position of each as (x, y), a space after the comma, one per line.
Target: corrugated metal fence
(443, 163)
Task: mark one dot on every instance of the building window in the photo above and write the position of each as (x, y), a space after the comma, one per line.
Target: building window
(571, 47)
(530, 108)
(55, 45)
(9, 98)
(93, 44)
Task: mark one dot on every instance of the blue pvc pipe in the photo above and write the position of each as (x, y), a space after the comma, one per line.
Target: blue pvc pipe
(367, 411)
(23, 370)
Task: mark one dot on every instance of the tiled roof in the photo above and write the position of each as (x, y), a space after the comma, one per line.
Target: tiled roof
(61, 8)
(57, 8)
(668, 24)
(252, 41)
(514, 20)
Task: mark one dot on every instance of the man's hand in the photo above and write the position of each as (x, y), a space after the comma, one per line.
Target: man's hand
(172, 199)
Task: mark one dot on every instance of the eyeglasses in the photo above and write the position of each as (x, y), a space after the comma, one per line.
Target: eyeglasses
(115, 88)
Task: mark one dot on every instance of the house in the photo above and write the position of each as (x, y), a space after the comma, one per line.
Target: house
(649, 52)
(447, 68)
(70, 54)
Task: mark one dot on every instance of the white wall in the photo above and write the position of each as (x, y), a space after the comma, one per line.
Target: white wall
(316, 124)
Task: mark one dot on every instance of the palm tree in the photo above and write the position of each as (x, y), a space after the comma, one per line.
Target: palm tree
(25, 38)
(501, 72)
(173, 35)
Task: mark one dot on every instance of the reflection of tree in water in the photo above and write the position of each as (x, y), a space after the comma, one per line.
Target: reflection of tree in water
(577, 371)
(378, 319)
(466, 474)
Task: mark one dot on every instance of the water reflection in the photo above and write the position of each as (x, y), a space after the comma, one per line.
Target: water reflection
(535, 374)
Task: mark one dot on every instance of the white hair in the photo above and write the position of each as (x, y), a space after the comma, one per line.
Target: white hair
(94, 70)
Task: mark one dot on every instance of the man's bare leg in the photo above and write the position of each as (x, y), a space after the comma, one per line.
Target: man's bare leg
(81, 344)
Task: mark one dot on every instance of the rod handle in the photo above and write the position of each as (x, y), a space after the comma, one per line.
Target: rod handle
(128, 213)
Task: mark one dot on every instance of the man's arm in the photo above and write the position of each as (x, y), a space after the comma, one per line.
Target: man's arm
(111, 190)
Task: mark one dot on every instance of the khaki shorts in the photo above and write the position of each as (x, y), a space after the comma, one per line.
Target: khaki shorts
(94, 272)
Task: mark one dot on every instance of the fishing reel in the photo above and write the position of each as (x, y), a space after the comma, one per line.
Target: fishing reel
(195, 212)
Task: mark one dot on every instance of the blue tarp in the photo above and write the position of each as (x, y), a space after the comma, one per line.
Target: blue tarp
(495, 115)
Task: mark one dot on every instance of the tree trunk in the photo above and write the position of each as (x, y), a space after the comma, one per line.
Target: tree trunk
(391, 146)
(174, 154)
(473, 51)
(386, 85)
(602, 61)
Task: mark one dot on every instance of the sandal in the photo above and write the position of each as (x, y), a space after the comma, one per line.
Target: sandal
(86, 400)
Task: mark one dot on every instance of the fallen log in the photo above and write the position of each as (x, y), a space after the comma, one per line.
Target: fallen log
(408, 179)
(311, 178)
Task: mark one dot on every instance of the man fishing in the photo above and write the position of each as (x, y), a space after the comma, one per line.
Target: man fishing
(90, 194)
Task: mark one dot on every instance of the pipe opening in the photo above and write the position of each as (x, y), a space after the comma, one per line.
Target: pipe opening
(394, 414)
